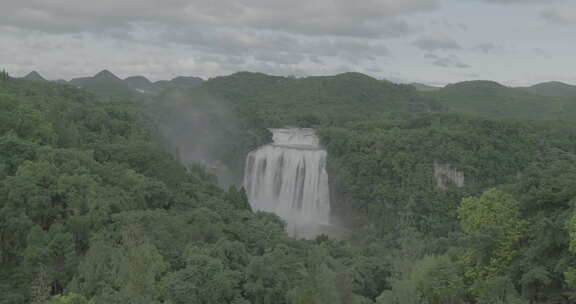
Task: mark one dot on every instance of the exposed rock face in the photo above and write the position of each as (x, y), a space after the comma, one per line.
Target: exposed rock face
(445, 174)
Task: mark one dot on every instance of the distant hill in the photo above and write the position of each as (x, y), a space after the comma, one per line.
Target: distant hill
(102, 76)
(140, 83)
(278, 101)
(187, 81)
(34, 76)
(110, 87)
(106, 85)
(491, 99)
(552, 89)
(424, 87)
(178, 82)
(106, 75)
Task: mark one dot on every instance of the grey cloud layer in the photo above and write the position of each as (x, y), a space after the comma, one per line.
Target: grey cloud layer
(273, 32)
(450, 61)
(486, 47)
(437, 42)
(300, 37)
(369, 18)
(519, 1)
(560, 16)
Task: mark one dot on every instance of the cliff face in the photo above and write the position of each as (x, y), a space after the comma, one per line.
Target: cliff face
(445, 174)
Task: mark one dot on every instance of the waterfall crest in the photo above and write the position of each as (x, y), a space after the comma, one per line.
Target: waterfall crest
(288, 178)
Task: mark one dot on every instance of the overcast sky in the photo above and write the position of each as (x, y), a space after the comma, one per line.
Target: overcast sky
(516, 42)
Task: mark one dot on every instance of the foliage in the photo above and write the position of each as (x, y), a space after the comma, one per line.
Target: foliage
(497, 215)
(491, 99)
(383, 141)
(95, 209)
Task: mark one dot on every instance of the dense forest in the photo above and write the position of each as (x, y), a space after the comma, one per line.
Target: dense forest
(101, 202)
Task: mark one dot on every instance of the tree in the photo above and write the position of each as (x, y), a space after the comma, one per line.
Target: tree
(434, 280)
(205, 280)
(124, 269)
(4, 75)
(570, 274)
(494, 217)
(71, 298)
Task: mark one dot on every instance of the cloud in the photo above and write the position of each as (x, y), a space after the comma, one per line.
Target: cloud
(449, 25)
(559, 16)
(541, 52)
(369, 18)
(487, 47)
(437, 42)
(469, 75)
(284, 33)
(518, 1)
(450, 61)
(164, 38)
(279, 48)
(283, 58)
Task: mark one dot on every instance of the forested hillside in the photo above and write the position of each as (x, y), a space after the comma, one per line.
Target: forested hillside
(96, 205)
(93, 210)
(484, 241)
(327, 100)
(223, 119)
(553, 89)
(491, 99)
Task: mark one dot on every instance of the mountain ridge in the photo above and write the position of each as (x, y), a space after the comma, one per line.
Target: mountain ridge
(552, 89)
(34, 75)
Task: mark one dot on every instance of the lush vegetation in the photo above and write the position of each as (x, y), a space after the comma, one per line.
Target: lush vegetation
(110, 88)
(424, 88)
(491, 99)
(481, 243)
(553, 89)
(96, 208)
(93, 210)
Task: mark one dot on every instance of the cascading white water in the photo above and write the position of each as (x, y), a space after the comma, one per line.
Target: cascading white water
(288, 178)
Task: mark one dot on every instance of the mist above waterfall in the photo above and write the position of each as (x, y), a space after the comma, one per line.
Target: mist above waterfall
(288, 177)
(201, 128)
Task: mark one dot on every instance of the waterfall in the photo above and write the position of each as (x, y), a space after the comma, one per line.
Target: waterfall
(288, 177)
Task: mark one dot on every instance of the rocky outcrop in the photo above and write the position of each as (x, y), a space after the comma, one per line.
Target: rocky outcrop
(445, 174)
